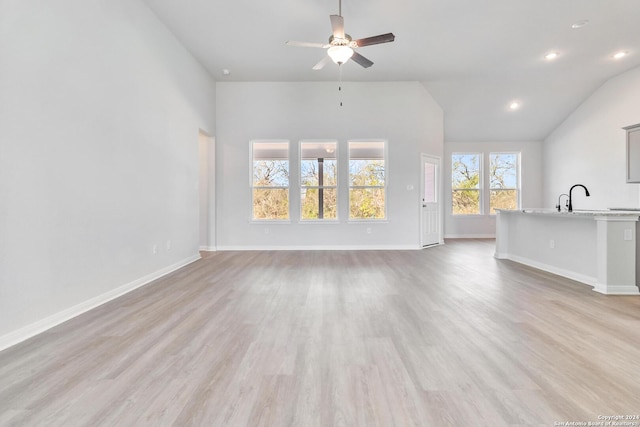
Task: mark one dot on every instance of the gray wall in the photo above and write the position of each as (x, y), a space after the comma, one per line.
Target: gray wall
(402, 113)
(100, 110)
(589, 147)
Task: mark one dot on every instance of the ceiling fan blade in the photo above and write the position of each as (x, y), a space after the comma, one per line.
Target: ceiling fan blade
(305, 44)
(324, 61)
(382, 38)
(359, 59)
(337, 24)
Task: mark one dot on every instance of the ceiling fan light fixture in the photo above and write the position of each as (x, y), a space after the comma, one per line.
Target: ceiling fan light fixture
(551, 56)
(619, 55)
(580, 24)
(340, 54)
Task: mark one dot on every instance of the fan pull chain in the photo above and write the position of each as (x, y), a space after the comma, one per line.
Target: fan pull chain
(340, 82)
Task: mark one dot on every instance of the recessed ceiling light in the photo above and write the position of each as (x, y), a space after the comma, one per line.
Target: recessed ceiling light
(551, 56)
(514, 105)
(619, 55)
(226, 71)
(579, 24)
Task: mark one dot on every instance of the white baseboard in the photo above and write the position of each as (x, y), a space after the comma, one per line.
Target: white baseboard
(589, 280)
(26, 332)
(208, 248)
(469, 236)
(321, 248)
(617, 290)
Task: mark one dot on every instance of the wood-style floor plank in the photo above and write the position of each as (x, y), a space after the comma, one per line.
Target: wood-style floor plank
(447, 336)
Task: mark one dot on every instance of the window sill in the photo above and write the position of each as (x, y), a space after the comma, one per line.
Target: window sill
(269, 221)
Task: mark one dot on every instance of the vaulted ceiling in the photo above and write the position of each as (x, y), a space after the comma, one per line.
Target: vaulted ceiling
(475, 57)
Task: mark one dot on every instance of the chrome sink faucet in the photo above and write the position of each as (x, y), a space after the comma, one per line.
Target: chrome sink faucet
(577, 185)
(559, 205)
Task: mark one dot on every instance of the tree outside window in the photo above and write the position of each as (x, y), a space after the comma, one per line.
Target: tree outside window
(367, 180)
(465, 183)
(318, 180)
(270, 180)
(503, 181)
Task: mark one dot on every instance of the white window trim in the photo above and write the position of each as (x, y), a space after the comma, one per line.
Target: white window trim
(252, 187)
(335, 220)
(480, 188)
(384, 187)
(518, 177)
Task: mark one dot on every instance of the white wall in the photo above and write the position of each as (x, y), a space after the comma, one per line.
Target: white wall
(531, 185)
(100, 110)
(207, 161)
(403, 113)
(589, 148)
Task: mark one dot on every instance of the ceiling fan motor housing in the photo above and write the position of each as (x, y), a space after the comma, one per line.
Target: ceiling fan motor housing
(346, 41)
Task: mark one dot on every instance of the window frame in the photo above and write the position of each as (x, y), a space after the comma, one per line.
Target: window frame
(517, 188)
(321, 186)
(480, 188)
(350, 186)
(254, 187)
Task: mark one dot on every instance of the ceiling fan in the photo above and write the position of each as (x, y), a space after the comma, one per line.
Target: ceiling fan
(341, 47)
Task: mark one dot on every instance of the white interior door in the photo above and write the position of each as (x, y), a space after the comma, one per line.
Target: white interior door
(430, 217)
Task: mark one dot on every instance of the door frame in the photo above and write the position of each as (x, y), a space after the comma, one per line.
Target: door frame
(207, 191)
(438, 161)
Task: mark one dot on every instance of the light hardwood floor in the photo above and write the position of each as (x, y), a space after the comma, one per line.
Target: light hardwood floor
(446, 336)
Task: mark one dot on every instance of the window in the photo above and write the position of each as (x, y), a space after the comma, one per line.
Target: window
(367, 180)
(318, 180)
(502, 174)
(270, 180)
(465, 183)
(503, 181)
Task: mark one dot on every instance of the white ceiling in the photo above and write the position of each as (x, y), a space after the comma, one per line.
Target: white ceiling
(474, 56)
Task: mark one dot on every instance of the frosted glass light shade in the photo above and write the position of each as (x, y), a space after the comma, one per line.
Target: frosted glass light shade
(340, 54)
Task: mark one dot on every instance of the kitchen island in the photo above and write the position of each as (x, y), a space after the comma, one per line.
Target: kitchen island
(598, 248)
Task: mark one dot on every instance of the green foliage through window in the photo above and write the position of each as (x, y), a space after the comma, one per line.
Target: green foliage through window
(503, 181)
(467, 188)
(318, 180)
(465, 183)
(367, 179)
(270, 180)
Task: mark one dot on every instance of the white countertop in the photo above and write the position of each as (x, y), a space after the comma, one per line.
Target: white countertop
(577, 213)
